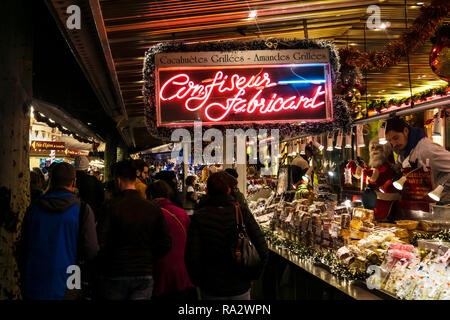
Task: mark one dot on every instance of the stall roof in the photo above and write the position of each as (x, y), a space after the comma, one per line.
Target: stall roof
(111, 50)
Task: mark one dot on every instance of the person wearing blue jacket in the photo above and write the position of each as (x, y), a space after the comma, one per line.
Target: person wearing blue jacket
(58, 232)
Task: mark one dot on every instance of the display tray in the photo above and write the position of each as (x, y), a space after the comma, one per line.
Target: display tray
(356, 289)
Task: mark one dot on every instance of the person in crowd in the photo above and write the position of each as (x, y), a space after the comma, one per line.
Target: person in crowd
(169, 273)
(235, 192)
(415, 149)
(58, 232)
(171, 179)
(89, 188)
(211, 235)
(132, 235)
(300, 166)
(141, 177)
(191, 200)
(37, 181)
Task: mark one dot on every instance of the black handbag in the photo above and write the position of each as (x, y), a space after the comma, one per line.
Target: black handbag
(244, 252)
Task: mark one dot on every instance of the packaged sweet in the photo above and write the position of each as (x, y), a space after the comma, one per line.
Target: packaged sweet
(363, 214)
(428, 225)
(356, 224)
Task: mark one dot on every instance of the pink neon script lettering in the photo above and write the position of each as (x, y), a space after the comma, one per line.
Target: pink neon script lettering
(198, 95)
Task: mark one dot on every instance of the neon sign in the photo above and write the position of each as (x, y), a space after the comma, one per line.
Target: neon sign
(243, 94)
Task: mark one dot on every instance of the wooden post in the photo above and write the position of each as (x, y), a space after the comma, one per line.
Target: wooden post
(110, 156)
(122, 153)
(15, 101)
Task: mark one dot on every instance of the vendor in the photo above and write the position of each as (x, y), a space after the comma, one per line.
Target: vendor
(300, 166)
(414, 149)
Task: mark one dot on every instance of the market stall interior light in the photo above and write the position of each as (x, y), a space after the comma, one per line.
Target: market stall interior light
(399, 183)
(339, 140)
(382, 133)
(317, 144)
(348, 141)
(360, 136)
(302, 147)
(252, 14)
(437, 125)
(436, 193)
(330, 142)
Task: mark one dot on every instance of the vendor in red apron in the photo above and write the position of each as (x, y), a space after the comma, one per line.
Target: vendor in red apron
(425, 165)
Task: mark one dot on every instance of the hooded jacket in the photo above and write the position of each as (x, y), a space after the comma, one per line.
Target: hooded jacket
(57, 235)
(209, 259)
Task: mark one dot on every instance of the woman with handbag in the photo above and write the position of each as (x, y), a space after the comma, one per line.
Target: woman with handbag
(169, 273)
(213, 242)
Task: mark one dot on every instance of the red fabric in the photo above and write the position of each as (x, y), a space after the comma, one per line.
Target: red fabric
(169, 272)
(352, 166)
(383, 208)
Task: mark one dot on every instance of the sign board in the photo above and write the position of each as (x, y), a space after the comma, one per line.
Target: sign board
(238, 87)
(47, 145)
(75, 152)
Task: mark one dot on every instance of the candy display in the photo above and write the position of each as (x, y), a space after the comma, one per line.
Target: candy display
(358, 241)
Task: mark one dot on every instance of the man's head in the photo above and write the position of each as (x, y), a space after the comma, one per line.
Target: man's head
(125, 175)
(81, 163)
(141, 169)
(379, 153)
(218, 184)
(63, 176)
(190, 180)
(397, 131)
(232, 172)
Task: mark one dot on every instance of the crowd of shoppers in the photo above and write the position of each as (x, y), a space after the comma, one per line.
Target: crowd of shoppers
(138, 242)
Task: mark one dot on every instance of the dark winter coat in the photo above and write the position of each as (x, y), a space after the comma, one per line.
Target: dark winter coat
(132, 234)
(208, 251)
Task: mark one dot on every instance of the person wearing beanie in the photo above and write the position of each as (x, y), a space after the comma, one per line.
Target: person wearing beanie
(90, 190)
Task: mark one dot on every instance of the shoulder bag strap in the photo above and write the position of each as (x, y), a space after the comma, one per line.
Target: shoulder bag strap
(239, 218)
(176, 219)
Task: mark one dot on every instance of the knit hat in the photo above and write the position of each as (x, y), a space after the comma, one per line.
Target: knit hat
(81, 163)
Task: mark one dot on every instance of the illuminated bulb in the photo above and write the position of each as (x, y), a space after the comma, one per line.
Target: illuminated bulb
(399, 183)
(382, 133)
(331, 173)
(253, 14)
(348, 141)
(330, 142)
(436, 193)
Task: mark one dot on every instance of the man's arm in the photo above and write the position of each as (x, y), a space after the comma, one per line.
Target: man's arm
(88, 234)
(192, 256)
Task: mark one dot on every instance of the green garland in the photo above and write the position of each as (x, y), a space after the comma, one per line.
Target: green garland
(327, 257)
(443, 235)
(380, 104)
